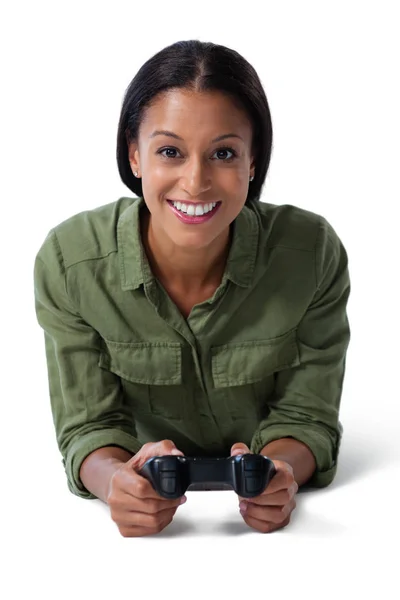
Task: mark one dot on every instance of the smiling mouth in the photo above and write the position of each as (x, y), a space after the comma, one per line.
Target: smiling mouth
(193, 216)
(191, 208)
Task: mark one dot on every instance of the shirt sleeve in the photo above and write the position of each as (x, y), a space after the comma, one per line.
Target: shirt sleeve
(87, 401)
(306, 398)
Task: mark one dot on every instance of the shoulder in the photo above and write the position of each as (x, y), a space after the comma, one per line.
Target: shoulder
(87, 235)
(288, 225)
(293, 228)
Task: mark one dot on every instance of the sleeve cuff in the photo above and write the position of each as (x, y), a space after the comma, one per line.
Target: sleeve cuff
(320, 445)
(89, 443)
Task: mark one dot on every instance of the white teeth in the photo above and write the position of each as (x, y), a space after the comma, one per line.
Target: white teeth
(195, 210)
(200, 211)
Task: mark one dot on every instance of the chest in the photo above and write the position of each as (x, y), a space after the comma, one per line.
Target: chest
(185, 302)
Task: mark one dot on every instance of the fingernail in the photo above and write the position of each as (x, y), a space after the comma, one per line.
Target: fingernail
(183, 500)
(243, 507)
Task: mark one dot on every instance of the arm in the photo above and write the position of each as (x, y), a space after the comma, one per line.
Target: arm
(87, 403)
(306, 399)
(297, 454)
(98, 468)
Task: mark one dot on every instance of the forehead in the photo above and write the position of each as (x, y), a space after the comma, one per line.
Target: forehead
(180, 109)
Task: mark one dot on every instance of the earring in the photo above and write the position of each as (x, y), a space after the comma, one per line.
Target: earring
(251, 178)
(135, 173)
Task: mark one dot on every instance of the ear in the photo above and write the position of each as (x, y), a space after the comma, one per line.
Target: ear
(133, 154)
(252, 166)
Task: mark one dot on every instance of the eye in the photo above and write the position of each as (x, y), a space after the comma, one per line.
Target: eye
(169, 151)
(224, 150)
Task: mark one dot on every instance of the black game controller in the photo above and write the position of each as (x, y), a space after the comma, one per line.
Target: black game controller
(247, 474)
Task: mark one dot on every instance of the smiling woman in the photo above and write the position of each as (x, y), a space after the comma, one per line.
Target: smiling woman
(196, 175)
(193, 318)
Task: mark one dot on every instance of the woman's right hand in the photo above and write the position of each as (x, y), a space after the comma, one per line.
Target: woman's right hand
(135, 506)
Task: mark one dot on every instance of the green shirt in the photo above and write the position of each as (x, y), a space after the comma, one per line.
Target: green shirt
(263, 358)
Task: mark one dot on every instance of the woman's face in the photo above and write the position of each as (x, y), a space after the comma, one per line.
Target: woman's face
(178, 159)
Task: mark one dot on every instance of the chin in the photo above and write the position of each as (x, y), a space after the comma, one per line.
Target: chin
(191, 239)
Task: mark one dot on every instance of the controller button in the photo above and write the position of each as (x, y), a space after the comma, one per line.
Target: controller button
(167, 465)
(251, 466)
(252, 484)
(168, 484)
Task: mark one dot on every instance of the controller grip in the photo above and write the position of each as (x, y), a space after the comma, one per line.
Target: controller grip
(168, 482)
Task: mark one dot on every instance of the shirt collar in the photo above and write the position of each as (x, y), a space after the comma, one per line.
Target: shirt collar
(134, 265)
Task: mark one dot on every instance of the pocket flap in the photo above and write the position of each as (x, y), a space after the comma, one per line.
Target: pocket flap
(251, 361)
(152, 363)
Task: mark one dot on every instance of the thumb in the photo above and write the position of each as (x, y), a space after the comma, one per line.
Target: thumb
(239, 448)
(176, 452)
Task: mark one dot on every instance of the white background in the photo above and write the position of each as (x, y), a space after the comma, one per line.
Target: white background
(331, 75)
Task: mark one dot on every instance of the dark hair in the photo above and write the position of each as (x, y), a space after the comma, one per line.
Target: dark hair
(202, 66)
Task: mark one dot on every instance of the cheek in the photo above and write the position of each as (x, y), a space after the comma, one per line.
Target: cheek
(238, 176)
(244, 174)
(158, 182)
(158, 172)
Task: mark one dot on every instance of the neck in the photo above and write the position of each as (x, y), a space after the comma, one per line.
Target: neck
(189, 270)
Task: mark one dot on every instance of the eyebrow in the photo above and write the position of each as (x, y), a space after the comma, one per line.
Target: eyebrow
(177, 137)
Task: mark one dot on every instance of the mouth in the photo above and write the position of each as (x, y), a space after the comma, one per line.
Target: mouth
(188, 216)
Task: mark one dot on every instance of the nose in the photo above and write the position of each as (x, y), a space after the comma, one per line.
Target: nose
(195, 177)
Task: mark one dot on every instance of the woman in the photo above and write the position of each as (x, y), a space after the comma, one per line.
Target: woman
(194, 319)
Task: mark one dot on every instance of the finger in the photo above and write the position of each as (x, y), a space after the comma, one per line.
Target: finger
(130, 531)
(275, 514)
(278, 498)
(127, 530)
(239, 448)
(126, 502)
(148, 521)
(168, 447)
(136, 486)
(280, 481)
(265, 526)
(152, 449)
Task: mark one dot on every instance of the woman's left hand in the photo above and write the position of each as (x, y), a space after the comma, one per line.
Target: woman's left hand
(272, 509)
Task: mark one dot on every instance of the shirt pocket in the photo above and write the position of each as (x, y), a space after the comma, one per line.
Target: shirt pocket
(243, 372)
(151, 376)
